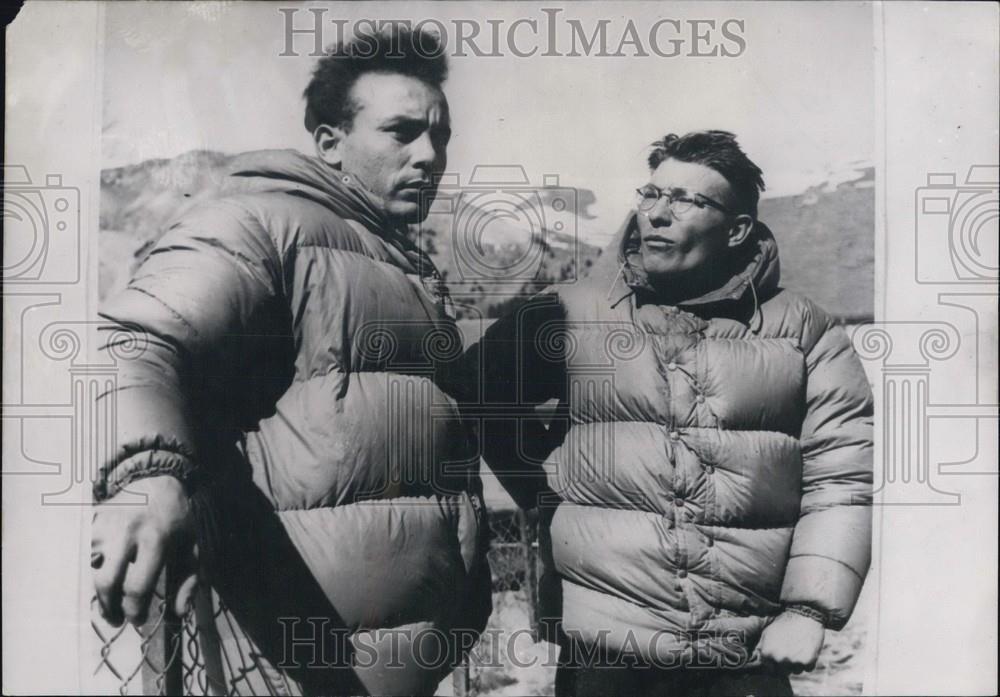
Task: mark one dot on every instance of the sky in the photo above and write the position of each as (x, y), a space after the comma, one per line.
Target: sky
(184, 76)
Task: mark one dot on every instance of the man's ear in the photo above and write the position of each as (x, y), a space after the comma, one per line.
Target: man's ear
(329, 141)
(742, 227)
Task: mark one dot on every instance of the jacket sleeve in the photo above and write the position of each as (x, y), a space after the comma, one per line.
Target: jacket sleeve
(510, 376)
(831, 546)
(175, 331)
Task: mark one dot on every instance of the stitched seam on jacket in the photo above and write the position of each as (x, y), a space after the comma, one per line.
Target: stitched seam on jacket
(790, 526)
(659, 514)
(244, 264)
(832, 506)
(604, 591)
(408, 500)
(603, 507)
(710, 429)
(823, 556)
(335, 366)
(791, 338)
(252, 213)
(176, 315)
(375, 260)
(133, 386)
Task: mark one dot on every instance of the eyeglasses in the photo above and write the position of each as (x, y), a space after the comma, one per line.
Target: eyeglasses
(679, 204)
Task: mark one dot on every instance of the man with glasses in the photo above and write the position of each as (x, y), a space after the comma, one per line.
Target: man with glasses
(705, 481)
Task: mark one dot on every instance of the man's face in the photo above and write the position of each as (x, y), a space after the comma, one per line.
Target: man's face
(397, 143)
(682, 247)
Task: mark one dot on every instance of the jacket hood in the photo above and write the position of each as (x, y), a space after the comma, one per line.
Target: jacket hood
(289, 171)
(296, 174)
(758, 268)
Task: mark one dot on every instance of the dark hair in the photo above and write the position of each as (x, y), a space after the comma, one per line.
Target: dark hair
(401, 50)
(719, 151)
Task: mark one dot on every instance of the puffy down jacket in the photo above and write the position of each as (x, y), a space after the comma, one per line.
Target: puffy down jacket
(706, 465)
(294, 377)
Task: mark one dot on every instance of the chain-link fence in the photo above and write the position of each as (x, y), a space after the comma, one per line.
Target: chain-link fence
(174, 655)
(513, 557)
(162, 657)
(204, 653)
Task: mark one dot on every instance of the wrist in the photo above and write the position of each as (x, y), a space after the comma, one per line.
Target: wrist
(145, 465)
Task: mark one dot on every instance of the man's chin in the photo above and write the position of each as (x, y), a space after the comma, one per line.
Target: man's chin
(405, 211)
(659, 262)
(408, 212)
(664, 271)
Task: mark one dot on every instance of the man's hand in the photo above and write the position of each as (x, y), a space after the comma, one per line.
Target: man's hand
(130, 543)
(791, 643)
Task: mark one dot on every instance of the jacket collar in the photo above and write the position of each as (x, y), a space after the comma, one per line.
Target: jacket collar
(759, 268)
(292, 172)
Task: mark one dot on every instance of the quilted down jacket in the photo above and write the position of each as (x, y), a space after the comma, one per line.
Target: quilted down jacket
(295, 372)
(706, 465)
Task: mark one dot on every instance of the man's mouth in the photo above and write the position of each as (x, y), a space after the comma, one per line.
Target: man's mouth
(415, 184)
(414, 188)
(656, 241)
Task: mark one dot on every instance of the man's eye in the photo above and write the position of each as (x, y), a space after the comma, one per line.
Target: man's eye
(404, 135)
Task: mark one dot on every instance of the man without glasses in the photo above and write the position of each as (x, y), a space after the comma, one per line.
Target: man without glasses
(705, 480)
(287, 416)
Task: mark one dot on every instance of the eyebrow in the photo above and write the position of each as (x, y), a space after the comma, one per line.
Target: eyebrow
(672, 191)
(408, 121)
(412, 122)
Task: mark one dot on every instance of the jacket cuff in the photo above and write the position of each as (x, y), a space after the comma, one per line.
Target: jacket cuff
(810, 612)
(149, 463)
(823, 584)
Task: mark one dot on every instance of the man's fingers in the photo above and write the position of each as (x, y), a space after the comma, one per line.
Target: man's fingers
(108, 578)
(185, 595)
(140, 581)
(776, 661)
(185, 568)
(764, 664)
(785, 664)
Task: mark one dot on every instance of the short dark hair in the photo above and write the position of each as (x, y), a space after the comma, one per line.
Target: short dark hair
(719, 151)
(399, 49)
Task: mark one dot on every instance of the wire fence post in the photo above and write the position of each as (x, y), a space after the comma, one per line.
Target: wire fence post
(528, 536)
(205, 640)
(461, 680)
(162, 665)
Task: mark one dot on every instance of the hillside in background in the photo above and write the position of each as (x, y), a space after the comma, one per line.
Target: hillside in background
(826, 240)
(139, 202)
(825, 233)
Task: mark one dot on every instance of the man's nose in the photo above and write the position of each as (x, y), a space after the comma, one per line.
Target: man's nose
(660, 213)
(423, 153)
